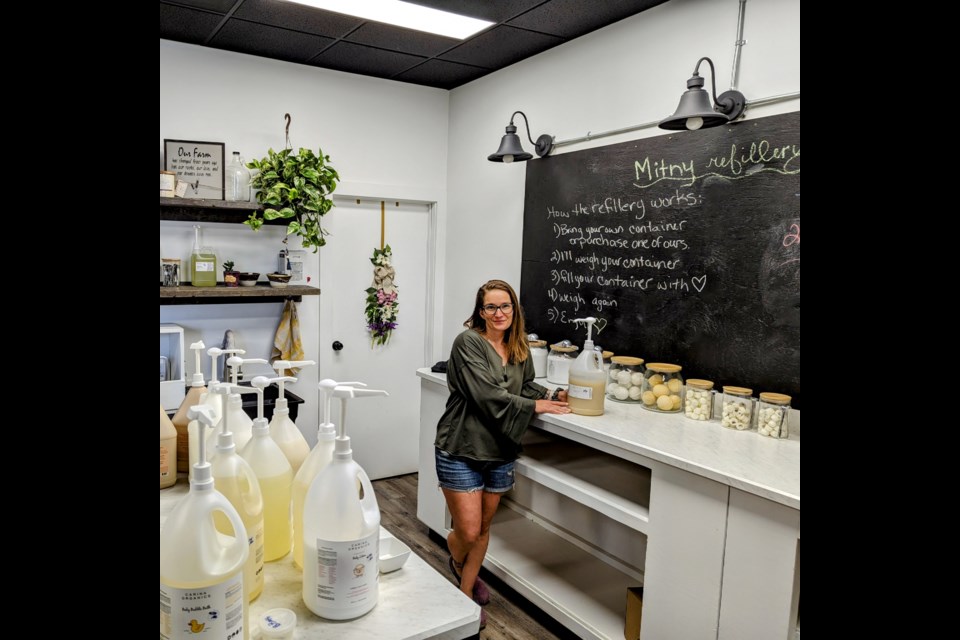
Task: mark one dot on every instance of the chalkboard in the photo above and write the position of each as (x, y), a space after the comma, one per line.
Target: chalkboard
(685, 246)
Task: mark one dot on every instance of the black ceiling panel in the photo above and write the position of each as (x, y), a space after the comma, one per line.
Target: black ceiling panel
(296, 33)
(368, 61)
(501, 47)
(271, 42)
(298, 17)
(186, 25)
(385, 36)
(442, 74)
(220, 6)
(567, 18)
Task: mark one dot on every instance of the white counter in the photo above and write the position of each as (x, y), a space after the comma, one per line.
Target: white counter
(765, 467)
(415, 602)
(707, 519)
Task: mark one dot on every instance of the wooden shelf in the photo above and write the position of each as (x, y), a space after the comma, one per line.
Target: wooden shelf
(221, 294)
(584, 594)
(194, 210)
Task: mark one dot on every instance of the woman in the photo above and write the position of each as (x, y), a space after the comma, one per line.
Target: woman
(492, 399)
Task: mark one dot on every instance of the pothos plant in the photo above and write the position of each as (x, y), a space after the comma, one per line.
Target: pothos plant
(295, 186)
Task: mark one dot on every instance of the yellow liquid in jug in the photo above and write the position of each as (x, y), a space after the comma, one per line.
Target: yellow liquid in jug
(277, 525)
(253, 569)
(595, 389)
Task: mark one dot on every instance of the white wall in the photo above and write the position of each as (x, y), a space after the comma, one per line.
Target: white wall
(626, 74)
(386, 139)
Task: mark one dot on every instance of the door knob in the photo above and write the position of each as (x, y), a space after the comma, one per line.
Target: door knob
(337, 345)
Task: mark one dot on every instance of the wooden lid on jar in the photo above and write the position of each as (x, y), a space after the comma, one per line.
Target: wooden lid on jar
(662, 367)
(697, 383)
(629, 361)
(606, 355)
(738, 391)
(775, 398)
(562, 349)
(537, 343)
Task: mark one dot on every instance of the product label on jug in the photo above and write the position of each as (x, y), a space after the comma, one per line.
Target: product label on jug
(214, 612)
(347, 572)
(583, 393)
(164, 462)
(203, 266)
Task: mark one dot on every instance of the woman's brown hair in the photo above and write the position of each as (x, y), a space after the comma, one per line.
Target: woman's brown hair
(516, 335)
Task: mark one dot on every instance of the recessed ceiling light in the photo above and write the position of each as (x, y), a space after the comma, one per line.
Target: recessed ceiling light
(405, 14)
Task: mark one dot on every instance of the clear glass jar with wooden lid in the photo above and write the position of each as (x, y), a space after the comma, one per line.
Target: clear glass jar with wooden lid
(772, 412)
(662, 388)
(538, 352)
(625, 379)
(698, 401)
(736, 408)
(606, 356)
(559, 361)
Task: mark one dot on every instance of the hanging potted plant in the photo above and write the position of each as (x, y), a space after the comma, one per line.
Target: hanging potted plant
(297, 187)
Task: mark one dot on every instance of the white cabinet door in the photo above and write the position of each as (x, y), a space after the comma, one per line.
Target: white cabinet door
(383, 431)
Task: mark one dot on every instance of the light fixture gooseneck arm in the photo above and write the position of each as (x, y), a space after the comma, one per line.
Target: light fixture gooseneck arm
(526, 123)
(713, 76)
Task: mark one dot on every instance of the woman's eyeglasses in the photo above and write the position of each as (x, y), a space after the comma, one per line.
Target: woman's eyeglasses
(491, 309)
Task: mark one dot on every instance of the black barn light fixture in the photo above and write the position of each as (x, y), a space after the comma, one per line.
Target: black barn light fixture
(510, 148)
(695, 110)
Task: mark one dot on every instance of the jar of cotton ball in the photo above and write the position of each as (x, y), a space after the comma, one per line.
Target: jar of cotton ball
(736, 408)
(772, 413)
(698, 401)
(559, 361)
(625, 379)
(662, 388)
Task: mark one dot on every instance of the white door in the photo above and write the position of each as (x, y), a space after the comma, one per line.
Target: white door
(383, 431)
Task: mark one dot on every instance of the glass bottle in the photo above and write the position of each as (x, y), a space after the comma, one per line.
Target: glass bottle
(662, 388)
(538, 351)
(559, 361)
(625, 382)
(203, 262)
(737, 408)
(698, 402)
(237, 180)
(772, 413)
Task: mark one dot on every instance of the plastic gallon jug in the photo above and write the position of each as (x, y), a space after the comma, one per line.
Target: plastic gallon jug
(587, 378)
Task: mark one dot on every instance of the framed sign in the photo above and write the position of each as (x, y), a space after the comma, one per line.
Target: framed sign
(199, 165)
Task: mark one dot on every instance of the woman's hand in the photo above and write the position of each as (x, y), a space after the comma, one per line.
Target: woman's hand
(552, 406)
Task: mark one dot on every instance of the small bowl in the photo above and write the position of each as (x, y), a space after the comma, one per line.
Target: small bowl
(278, 280)
(393, 554)
(248, 279)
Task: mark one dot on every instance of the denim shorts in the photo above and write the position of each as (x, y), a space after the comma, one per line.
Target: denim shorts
(463, 474)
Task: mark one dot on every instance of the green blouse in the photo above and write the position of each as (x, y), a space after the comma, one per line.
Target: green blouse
(490, 405)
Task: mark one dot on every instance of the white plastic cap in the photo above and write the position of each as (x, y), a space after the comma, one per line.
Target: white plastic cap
(278, 623)
(261, 427)
(197, 379)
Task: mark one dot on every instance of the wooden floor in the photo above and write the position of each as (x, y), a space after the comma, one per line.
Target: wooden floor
(509, 615)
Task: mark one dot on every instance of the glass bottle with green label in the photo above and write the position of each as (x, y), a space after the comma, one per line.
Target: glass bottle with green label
(203, 262)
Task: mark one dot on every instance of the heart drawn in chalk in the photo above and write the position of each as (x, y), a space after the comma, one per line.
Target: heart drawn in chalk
(600, 325)
(699, 282)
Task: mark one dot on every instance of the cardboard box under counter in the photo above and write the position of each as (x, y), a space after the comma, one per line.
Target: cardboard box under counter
(631, 626)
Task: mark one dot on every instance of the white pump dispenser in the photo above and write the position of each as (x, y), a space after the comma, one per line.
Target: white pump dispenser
(314, 463)
(234, 478)
(275, 476)
(201, 569)
(181, 420)
(285, 433)
(235, 362)
(587, 378)
(215, 400)
(341, 531)
(240, 423)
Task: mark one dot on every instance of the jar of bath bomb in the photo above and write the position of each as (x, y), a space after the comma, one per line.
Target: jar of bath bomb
(662, 388)
(625, 379)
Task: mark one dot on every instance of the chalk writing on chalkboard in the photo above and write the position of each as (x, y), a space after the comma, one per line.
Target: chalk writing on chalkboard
(198, 164)
(686, 247)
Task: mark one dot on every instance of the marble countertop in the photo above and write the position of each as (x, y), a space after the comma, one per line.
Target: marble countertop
(415, 602)
(766, 467)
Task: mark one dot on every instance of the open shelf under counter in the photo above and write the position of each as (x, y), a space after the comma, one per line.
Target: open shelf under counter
(586, 595)
(612, 486)
(221, 294)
